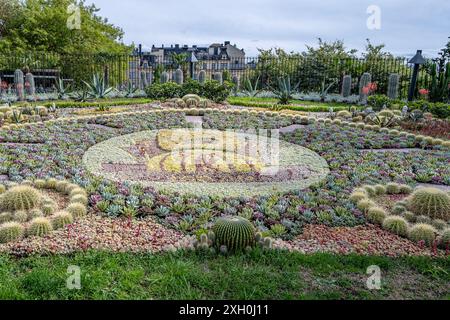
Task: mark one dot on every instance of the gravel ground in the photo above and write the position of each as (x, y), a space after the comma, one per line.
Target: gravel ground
(124, 235)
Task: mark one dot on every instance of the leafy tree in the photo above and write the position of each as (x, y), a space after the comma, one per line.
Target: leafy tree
(41, 25)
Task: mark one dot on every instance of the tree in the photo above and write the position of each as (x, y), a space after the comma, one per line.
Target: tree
(41, 25)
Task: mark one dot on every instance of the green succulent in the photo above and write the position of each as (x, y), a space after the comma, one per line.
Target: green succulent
(236, 233)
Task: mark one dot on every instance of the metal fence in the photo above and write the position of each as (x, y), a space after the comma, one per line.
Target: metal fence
(119, 70)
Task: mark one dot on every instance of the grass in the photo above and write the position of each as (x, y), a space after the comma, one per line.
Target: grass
(296, 105)
(259, 275)
(95, 103)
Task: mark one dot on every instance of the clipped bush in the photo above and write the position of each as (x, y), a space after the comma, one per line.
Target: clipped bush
(431, 202)
(236, 233)
(376, 215)
(396, 224)
(11, 231)
(20, 198)
(77, 210)
(422, 232)
(61, 219)
(39, 227)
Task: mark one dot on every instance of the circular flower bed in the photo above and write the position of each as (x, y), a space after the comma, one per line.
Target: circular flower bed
(169, 160)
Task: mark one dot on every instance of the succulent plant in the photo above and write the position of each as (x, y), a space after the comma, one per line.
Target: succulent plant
(35, 213)
(202, 76)
(422, 232)
(380, 189)
(178, 75)
(346, 86)
(218, 76)
(79, 198)
(11, 231)
(444, 239)
(393, 188)
(39, 227)
(393, 85)
(6, 217)
(19, 84)
(365, 204)
(431, 202)
(39, 183)
(366, 78)
(376, 215)
(61, 219)
(423, 219)
(61, 186)
(2, 188)
(20, 198)
(20, 216)
(77, 210)
(357, 196)
(164, 78)
(439, 224)
(409, 216)
(51, 183)
(396, 224)
(30, 85)
(236, 233)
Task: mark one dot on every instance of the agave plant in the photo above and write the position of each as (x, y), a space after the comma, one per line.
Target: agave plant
(61, 89)
(251, 90)
(324, 89)
(130, 90)
(382, 121)
(97, 88)
(80, 96)
(284, 91)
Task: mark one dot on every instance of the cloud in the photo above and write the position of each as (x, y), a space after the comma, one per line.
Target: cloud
(289, 24)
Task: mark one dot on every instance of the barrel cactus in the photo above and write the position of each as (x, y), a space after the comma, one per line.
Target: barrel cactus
(396, 224)
(236, 233)
(18, 84)
(346, 86)
(20, 198)
(5, 217)
(431, 202)
(202, 76)
(39, 227)
(393, 84)
(11, 231)
(61, 219)
(422, 232)
(178, 75)
(444, 239)
(77, 210)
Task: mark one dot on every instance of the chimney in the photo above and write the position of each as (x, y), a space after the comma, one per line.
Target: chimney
(227, 43)
(177, 46)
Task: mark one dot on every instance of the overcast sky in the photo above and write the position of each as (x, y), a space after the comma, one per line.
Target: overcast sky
(406, 25)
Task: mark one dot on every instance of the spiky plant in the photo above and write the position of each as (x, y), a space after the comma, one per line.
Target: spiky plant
(19, 85)
(6, 217)
(98, 87)
(409, 216)
(35, 213)
(423, 219)
(218, 76)
(20, 198)
(48, 209)
(236, 233)
(396, 224)
(39, 227)
(284, 90)
(444, 239)
(51, 183)
(61, 186)
(422, 232)
(202, 76)
(61, 219)
(179, 78)
(11, 231)
(61, 89)
(20, 216)
(250, 89)
(79, 198)
(380, 189)
(431, 202)
(376, 215)
(365, 204)
(393, 85)
(439, 224)
(393, 188)
(77, 210)
(346, 86)
(2, 188)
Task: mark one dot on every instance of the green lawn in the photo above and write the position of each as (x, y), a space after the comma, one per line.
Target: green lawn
(259, 275)
(297, 105)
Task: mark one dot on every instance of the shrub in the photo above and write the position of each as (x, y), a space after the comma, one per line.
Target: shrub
(396, 224)
(431, 202)
(376, 215)
(164, 91)
(378, 101)
(191, 87)
(422, 232)
(77, 210)
(215, 91)
(11, 231)
(61, 219)
(236, 233)
(39, 227)
(20, 198)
